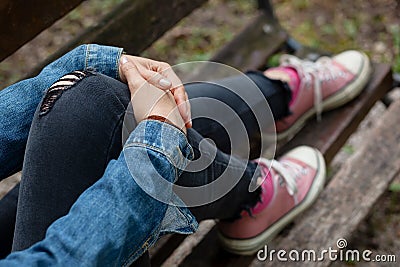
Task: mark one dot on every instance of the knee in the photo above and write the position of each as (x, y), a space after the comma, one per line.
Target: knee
(85, 91)
(81, 110)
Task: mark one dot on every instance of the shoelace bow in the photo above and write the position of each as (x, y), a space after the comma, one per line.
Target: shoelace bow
(287, 170)
(312, 71)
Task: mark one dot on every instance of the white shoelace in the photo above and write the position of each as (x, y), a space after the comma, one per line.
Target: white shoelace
(288, 172)
(312, 71)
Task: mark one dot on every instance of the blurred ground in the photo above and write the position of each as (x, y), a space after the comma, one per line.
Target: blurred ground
(332, 25)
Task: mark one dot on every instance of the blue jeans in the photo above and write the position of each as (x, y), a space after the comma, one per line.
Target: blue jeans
(115, 221)
(54, 178)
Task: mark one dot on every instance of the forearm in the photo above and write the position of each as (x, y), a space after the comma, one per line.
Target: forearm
(18, 102)
(115, 220)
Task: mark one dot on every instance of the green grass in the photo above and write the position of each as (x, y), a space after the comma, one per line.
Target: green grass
(195, 39)
(395, 31)
(301, 4)
(394, 187)
(351, 28)
(273, 61)
(348, 149)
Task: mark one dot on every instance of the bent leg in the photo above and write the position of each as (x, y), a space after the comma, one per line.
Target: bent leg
(73, 137)
(248, 103)
(225, 166)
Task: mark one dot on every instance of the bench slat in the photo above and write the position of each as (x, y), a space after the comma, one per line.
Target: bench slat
(22, 20)
(164, 248)
(348, 198)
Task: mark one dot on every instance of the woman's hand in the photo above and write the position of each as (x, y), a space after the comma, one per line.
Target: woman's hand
(160, 75)
(148, 100)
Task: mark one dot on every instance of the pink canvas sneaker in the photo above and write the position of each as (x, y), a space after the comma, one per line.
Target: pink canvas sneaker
(322, 85)
(288, 188)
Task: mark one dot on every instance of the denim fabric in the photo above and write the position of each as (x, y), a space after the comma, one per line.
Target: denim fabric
(120, 207)
(230, 91)
(76, 140)
(8, 212)
(67, 151)
(107, 60)
(91, 113)
(19, 101)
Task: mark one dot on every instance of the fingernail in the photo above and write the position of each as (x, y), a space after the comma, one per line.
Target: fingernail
(124, 60)
(165, 83)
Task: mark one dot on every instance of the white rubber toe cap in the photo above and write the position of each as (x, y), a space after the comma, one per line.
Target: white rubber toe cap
(352, 60)
(308, 155)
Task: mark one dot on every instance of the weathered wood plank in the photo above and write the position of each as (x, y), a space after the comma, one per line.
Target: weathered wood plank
(190, 241)
(22, 20)
(352, 192)
(164, 248)
(337, 125)
(134, 25)
(210, 253)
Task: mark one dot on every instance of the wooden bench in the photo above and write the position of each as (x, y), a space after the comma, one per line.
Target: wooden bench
(347, 198)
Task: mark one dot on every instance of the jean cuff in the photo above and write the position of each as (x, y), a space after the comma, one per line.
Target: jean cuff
(103, 59)
(164, 138)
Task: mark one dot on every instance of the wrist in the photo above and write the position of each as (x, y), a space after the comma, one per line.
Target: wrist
(167, 109)
(165, 120)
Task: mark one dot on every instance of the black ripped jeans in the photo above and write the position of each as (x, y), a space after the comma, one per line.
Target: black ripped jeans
(70, 146)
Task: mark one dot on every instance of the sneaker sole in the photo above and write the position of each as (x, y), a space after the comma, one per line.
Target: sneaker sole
(342, 97)
(250, 246)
